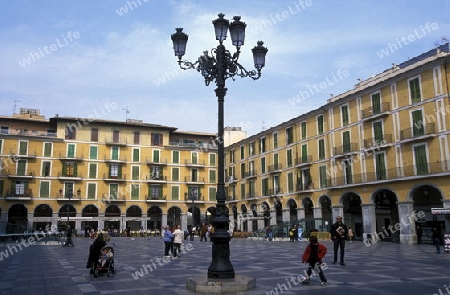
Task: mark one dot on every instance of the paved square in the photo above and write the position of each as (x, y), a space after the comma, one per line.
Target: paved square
(383, 268)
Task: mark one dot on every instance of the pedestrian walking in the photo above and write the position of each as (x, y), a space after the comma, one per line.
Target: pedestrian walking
(437, 237)
(313, 254)
(350, 234)
(299, 233)
(339, 234)
(168, 242)
(68, 241)
(178, 235)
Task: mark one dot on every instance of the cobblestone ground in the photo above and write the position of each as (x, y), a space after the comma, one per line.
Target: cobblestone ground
(383, 268)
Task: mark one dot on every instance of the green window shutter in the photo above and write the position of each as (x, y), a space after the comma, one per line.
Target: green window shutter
(321, 149)
(378, 132)
(135, 191)
(44, 191)
(418, 123)
(194, 158)
(380, 168)
(176, 157)
(93, 152)
(304, 153)
(212, 193)
(156, 156)
(75, 169)
(64, 169)
(376, 103)
(212, 176)
(92, 170)
(47, 149)
(2, 184)
(420, 156)
(115, 153)
(275, 141)
(320, 124)
(263, 165)
(414, 87)
(21, 166)
(135, 173)
(91, 190)
(175, 193)
(289, 158)
(344, 110)
(71, 151)
(113, 191)
(119, 174)
(175, 174)
(212, 159)
(291, 182)
(13, 188)
(135, 155)
(346, 142)
(323, 176)
(303, 126)
(23, 147)
(348, 171)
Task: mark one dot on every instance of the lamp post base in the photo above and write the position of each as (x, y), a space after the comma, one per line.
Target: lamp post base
(201, 284)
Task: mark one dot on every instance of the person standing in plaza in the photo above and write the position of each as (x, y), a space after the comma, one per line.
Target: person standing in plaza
(203, 231)
(299, 233)
(168, 243)
(69, 241)
(177, 241)
(339, 234)
(313, 254)
(437, 237)
(350, 234)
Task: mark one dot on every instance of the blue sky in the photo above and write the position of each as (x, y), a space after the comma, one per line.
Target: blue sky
(97, 58)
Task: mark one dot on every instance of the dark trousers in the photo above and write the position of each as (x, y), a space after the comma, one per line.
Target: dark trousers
(68, 242)
(176, 249)
(168, 247)
(317, 269)
(339, 244)
(437, 243)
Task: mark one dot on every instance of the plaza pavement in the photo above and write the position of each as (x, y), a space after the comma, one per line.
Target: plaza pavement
(383, 268)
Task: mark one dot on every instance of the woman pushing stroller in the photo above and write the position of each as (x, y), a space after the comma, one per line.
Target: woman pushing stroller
(97, 251)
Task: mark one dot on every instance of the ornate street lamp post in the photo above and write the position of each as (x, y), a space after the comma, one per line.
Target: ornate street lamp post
(218, 67)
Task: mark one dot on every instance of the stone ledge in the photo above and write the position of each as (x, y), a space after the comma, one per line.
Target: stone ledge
(201, 284)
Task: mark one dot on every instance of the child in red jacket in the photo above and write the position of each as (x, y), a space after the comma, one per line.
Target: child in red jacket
(314, 254)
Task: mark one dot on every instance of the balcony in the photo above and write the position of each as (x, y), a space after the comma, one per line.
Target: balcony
(115, 142)
(155, 199)
(163, 162)
(376, 112)
(230, 179)
(250, 174)
(377, 143)
(197, 200)
(194, 180)
(156, 179)
(303, 161)
(113, 198)
(20, 174)
(118, 178)
(69, 176)
(418, 133)
(17, 157)
(275, 192)
(194, 164)
(305, 187)
(25, 132)
(122, 160)
(275, 168)
(26, 195)
(74, 157)
(343, 150)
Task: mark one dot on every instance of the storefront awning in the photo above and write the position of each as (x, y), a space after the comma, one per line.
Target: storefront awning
(440, 211)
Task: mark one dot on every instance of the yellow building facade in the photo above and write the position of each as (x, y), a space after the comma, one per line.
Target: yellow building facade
(102, 174)
(378, 155)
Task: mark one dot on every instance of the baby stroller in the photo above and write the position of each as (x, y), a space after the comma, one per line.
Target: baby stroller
(104, 264)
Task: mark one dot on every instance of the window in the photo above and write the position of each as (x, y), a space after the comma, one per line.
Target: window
(242, 152)
(19, 187)
(289, 157)
(346, 146)
(91, 190)
(48, 149)
(156, 173)
(242, 170)
(155, 191)
(437, 81)
(418, 123)
(275, 140)
(93, 152)
(289, 135)
(4, 129)
(323, 176)
(115, 153)
(276, 184)
(23, 148)
(194, 157)
(1, 146)
(70, 151)
(347, 165)
(44, 190)
(265, 186)
(263, 165)
(71, 131)
(115, 171)
(46, 168)
(212, 193)
(251, 149)
(156, 156)
(1, 187)
(290, 178)
(414, 90)
(92, 170)
(94, 134)
(21, 167)
(176, 157)
(232, 156)
(157, 139)
(175, 193)
(303, 129)
(136, 138)
(69, 169)
(344, 115)
(134, 172)
(321, 149)
(262, 145)
(116, 136)
(212, 159)
(135, 191)
(376, 103)
(304, 153)
(175, 174)
(212, 176)
(135, 155)
(380, 166)
(275, 161)
(320, 124)
(114, 191)
(194, 175)
(420, 157)
(377, 133)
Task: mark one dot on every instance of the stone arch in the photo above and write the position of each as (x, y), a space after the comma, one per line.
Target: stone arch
(352, 215)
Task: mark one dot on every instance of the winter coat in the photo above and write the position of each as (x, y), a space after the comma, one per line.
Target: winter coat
(307, 254)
